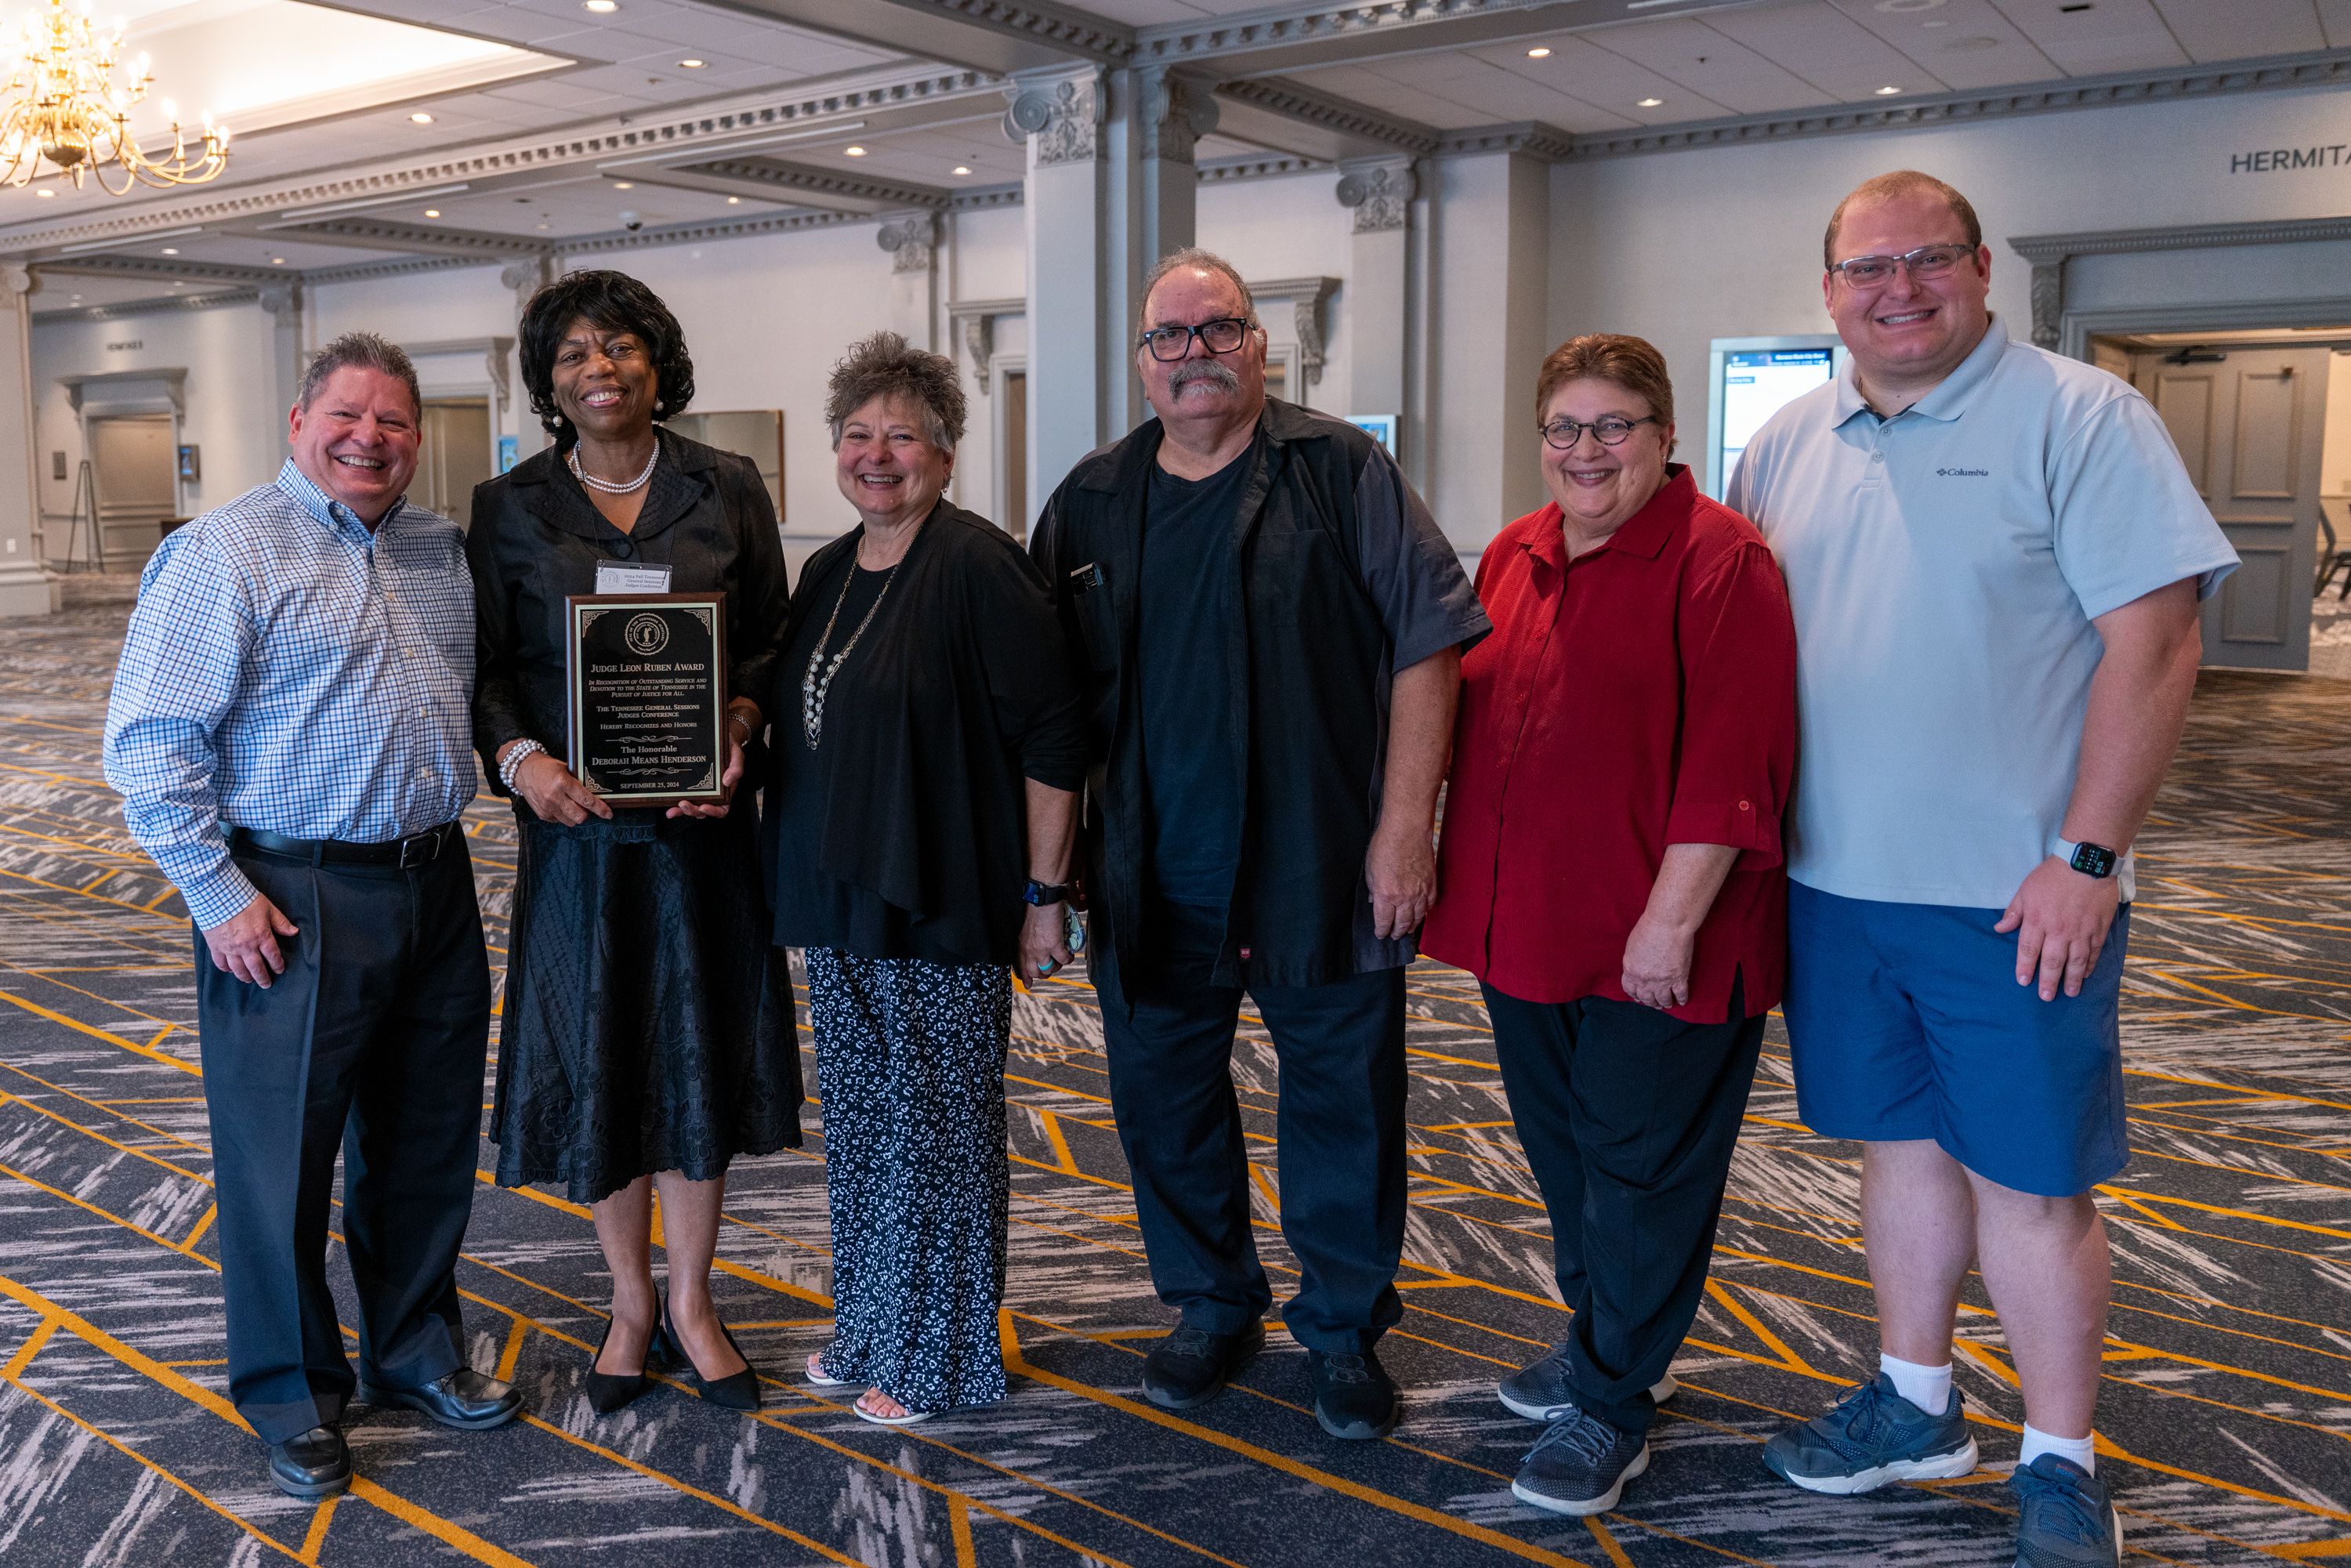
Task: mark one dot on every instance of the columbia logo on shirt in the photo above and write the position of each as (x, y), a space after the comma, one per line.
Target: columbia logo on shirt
(1964, 473)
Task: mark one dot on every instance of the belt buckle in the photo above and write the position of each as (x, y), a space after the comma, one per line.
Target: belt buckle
(428, 843)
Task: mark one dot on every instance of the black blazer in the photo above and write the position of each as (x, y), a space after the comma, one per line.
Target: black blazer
(537, 539)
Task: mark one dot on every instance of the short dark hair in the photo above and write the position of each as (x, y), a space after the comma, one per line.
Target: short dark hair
(1633, 363)
(1206, 261)
(886, 365)
(617, 303)
(363, 350)
(1902, 182)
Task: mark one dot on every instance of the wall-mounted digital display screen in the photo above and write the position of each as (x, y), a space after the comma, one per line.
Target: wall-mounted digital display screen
(1756, 384)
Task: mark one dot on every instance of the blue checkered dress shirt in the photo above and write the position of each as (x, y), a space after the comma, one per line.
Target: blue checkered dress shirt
(288, 671)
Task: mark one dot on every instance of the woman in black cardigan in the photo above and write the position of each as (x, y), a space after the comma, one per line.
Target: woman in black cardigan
(921, 810)
(647, 1027)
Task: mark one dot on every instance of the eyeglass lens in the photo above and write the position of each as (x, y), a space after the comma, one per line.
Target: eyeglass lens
(1565, 433)
(1222, 337)
(1927, 261)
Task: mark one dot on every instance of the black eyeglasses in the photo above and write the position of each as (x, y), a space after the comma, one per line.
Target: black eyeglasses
(1223, 335)
(1927, 261)
(1609, 431)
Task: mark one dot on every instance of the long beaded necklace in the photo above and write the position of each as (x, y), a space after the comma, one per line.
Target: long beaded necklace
(818, 679)
(607, 485)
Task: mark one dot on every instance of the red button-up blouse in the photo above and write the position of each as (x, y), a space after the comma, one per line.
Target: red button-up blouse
(1643, 695)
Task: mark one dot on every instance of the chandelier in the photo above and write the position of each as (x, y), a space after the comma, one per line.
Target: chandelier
(64, 105)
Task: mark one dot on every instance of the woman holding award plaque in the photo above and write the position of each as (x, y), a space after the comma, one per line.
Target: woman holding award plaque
(647, 1026)
(920, 811)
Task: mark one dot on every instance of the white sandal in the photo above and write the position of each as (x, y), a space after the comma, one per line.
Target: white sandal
(908, 1419)
(816, 1374)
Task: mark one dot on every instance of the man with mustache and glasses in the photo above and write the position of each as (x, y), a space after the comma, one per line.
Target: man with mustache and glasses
(291, 733)
(1995, 560)
(1268, 627)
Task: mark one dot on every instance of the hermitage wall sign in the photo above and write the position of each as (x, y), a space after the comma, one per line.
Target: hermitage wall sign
(2280, 160)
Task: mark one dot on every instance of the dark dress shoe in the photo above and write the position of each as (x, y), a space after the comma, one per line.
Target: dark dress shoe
(736, 1391)
(609, 1391)
(1354, 1397)
(1191, 1365)
(314, 1465)
(464, 1399)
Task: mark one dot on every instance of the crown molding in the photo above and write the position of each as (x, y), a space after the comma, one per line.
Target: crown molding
(2327, 68)
(776, 173)
(165, 306)
(630, 134)
(1531, 137)
(982, 198)
(2048, 250)
(1289, 28)
(161, 268)
(717, 229)
(370, 271)
(378, 233)
(1039, 22)
(1340, 115)
(1259, 166)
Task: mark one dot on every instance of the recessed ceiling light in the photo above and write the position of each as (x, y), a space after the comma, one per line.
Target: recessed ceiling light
(625, 184)
(1887, 91)
(963, 168)
(277, 261)
(692, 65)
(1897, 7)
(170, 250)
(542, 225)
(45, 194)
(734, 201)
(75, 301)
(602, 7)
(1649, 103)
(854, 151)
(432, 212)
(420, 118)
(1538, 53)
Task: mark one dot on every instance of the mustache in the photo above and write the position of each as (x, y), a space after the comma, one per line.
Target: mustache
(1219, 375)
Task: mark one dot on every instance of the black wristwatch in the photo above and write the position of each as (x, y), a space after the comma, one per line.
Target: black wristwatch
(2090, 860)
(1044, 893)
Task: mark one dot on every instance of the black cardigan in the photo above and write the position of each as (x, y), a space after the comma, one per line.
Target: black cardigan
(958, 690)
(536, 538)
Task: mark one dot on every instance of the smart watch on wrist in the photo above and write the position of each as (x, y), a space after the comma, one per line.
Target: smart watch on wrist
(2090, 860)
(1044, 893)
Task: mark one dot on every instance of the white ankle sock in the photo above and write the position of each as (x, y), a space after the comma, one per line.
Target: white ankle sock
(1927, 1387)
(2083, 1451)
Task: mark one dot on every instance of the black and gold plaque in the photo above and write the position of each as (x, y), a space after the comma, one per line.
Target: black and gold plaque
(648, 687)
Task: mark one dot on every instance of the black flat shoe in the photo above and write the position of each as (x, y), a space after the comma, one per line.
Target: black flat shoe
(314, 1465)
(736, 1391)
(1191, 1365)
(608, 1392)
(464, 1399)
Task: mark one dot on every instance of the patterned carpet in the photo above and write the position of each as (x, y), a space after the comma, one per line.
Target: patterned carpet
(2227, 1410)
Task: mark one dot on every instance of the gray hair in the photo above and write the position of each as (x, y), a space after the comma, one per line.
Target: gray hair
(886, 365)
(1208, 261)
(367, 352)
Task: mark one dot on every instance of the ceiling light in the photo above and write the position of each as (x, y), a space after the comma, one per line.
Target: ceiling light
(277, 261)
(734, 201)
(75, 301)
(1649, 103)
(854, 151)
(45, 194)
(1539, 53)
(542, 225)
(963, 168)
(692, 65)
(1887, 91)
(432, 212)
(625, 184)
(1897, 7)
(420, 118)
(70, 107)
(602, 7)
(170, 250)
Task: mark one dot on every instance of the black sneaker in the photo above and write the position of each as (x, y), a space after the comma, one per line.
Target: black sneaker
(1871, 1436)
(2067, 1520)
(1580, 1465)
(1537, 1390)
(1354, 1397)
(1189, 1366)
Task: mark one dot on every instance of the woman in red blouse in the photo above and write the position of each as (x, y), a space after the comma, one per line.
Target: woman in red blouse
(1611, 872)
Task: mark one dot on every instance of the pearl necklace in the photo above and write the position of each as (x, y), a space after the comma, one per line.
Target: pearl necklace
(607, 485)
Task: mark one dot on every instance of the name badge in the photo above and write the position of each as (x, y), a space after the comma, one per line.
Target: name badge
(613, 577)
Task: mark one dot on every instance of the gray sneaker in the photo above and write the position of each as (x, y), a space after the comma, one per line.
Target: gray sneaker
(2067, 1520)
(1873, 1435)
(1539, 1391)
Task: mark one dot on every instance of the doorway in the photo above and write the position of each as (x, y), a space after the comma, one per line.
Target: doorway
(2249, 413)
(135, 470)
(454, 457)
(1012, 455)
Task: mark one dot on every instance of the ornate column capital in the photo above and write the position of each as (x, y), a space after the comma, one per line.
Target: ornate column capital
(910, 238)
(1059, 110)
(527, 274)
(18, 276)
(2048, 302)
(1176, 110)
(282, 301)
(1380, 190)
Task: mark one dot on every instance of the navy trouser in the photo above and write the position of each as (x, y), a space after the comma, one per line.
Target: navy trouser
(372, 1040)
(1628, 1117)
(1340, 1137)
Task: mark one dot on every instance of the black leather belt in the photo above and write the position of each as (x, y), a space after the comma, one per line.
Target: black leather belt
(417, 849)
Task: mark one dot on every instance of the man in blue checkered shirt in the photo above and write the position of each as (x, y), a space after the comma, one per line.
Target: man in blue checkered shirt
(290, 732)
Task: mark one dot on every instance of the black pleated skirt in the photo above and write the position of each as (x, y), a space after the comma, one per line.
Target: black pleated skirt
(647, 1024)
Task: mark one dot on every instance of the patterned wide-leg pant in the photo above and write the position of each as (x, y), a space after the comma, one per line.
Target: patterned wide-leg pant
(910, 1062)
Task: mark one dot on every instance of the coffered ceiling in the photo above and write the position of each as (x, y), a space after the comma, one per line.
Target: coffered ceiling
(459, 131)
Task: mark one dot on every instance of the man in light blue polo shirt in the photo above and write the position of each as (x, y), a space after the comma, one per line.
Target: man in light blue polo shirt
(1995, 560)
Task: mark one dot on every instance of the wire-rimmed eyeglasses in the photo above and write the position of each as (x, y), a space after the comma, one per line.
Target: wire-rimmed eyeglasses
(1927, 261)
(1610, 430)
(1170, 343)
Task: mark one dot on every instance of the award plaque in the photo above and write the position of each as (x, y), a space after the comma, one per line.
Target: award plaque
(647, 675)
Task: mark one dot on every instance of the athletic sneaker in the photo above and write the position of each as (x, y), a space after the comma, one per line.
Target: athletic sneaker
(1581, 1464)
(1538, 1391)
(2067, 1521)
(1873, 1435)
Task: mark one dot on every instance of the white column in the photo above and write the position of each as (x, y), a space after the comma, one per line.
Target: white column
(526, 276)
(1490, 286)
(1381, 192)
(25, 588)
(287, 360)
(912, 241)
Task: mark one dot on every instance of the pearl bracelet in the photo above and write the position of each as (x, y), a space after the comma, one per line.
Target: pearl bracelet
(513, 761)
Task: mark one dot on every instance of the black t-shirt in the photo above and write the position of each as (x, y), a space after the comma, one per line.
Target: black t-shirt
(1191, 766)
(814, 910)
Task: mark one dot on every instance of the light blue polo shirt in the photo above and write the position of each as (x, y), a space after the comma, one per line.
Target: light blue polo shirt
(1945, 566)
